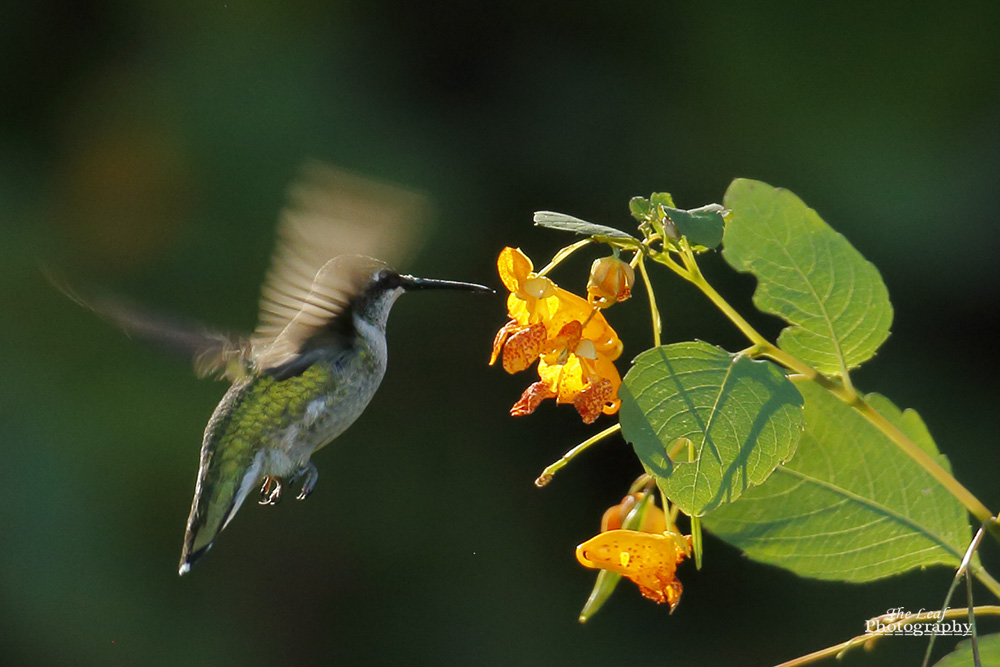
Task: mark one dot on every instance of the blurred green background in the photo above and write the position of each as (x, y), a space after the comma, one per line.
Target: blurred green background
(147, 146)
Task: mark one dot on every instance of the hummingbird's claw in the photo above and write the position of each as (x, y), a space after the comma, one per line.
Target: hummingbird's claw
(270, 492)
(309, 483)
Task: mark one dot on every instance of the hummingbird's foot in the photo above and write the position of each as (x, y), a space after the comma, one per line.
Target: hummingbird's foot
(309, 483)
(270, 492)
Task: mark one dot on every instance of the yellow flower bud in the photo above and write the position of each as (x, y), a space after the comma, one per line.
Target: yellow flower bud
(610, 281)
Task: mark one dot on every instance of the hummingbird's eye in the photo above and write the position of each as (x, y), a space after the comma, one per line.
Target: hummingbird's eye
(387, 279)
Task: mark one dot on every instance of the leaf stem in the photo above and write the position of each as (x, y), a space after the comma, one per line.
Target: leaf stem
(547, 474)
(562, 255)
(654, 312)
(692, 273)
(964, 496)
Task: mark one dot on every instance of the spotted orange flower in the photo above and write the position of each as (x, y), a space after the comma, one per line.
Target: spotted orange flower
(648, 559)
(574, 344)
(535, 299)
(648, 554)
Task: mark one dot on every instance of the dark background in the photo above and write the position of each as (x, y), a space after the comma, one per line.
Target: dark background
(146, 146)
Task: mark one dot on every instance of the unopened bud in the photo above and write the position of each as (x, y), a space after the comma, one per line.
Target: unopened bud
(610, 281)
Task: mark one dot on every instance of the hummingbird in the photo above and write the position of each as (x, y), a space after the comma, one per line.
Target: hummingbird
(317, 355)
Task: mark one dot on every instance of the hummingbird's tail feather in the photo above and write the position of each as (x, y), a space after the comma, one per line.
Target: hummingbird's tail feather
(218, 496)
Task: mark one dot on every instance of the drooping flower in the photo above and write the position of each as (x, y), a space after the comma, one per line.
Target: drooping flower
(571, 339)
(648, 559)
(647, 553)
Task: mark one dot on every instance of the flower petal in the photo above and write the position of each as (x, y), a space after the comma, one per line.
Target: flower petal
(523, 348)
(564, 343)
(501, 337)
(531, 399)
(565, 380)
(603, 367)
(591, 400)
(513, 267)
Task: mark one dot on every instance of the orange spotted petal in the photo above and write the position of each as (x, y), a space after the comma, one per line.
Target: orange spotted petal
(572, 307)
(523, 348)
(558, 349)
(501, 337)
(591, 400)
(648, 559)
(531, 399)
(604, 368)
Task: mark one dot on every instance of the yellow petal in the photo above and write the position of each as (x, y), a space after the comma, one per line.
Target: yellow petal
(538, 287)
(564, 343)
(513, 267)
(566, 380)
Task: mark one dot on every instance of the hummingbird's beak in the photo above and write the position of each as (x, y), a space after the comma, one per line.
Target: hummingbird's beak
(412, 283)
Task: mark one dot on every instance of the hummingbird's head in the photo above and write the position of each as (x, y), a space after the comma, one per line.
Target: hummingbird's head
(385, 285)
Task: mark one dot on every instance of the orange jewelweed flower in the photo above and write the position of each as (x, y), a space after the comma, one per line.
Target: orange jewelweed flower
(648, 559)
(537, 299)
(571, 339)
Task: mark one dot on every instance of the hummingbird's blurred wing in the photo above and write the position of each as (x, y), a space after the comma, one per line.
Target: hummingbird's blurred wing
(332, 215)
(213, 352)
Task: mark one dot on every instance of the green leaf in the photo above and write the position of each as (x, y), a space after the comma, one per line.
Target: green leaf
(742, 418)
(640, 208)
(850, 506)
(989, 652)
(702, 226)
(661, 199)
(807, 274)
(568, 223)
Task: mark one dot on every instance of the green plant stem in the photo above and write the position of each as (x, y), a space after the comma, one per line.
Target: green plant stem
(563, 254)
(654, 312)
(764, 348)
(868, 638)
(547, 474)
(692, 273)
